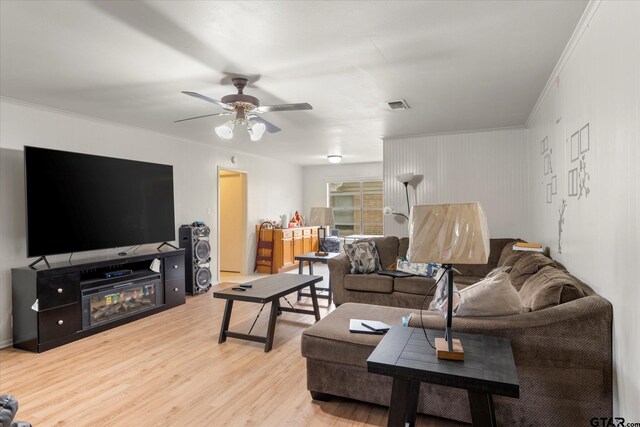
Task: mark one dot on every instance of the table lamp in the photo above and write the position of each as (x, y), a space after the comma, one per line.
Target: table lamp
(321, 217)
(448, 234)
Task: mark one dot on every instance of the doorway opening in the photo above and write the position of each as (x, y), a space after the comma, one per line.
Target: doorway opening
(232, 224)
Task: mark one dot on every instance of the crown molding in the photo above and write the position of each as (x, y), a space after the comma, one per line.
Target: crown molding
(581, 27)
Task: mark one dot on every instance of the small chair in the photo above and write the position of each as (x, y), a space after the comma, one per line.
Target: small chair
(264, 249)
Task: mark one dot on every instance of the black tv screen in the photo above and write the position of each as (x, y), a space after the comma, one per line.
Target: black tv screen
(79, 202)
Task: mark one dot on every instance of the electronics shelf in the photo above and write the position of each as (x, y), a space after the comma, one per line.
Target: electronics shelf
(68, 301)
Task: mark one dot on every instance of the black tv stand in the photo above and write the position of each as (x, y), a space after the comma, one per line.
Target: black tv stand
(166, 244)
(42, 258)
(84, 297)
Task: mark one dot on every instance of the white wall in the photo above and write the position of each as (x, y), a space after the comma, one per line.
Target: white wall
(597, 81)
(487, 166)
(274, 187)
(316, 178)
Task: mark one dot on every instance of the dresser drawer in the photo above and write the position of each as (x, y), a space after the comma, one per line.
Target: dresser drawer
(174, 267)
(54, 291)
(59, 322)
(174, 292)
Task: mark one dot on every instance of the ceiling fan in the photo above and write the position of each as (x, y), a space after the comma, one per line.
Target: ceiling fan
(247, 109)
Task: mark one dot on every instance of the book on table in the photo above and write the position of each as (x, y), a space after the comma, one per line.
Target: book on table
(361, 326)
(529, 247)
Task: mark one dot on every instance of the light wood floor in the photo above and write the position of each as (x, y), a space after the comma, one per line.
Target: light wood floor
(169, 370)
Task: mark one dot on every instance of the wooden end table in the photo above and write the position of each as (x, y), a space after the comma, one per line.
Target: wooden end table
(264, 290)
(311, 257)
(488, 368)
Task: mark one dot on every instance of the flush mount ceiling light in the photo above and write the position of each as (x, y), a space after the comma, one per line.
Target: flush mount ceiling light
(334, 158)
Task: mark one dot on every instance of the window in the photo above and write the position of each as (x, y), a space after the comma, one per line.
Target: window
(357, 206)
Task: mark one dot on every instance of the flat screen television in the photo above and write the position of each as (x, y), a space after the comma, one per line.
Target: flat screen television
(80, 202)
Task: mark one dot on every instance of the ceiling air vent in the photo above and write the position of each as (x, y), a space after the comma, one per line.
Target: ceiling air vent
(398, 105)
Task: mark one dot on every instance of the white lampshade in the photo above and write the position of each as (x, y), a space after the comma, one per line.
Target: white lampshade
(405, 177)
(321, 217)
(256, 130)
(448, 234)
(225, 131)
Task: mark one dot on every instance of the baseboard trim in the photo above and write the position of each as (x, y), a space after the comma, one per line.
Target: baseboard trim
(6, 343)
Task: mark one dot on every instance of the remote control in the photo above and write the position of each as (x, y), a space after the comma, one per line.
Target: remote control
(239, 289)
(246, 286)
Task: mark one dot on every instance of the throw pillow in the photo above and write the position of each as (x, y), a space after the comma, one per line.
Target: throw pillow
(492, 296)
(527, 266)
(549, 287)
(498, 270)
(363, 256)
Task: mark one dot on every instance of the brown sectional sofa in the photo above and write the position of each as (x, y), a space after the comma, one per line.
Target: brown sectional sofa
(562, 348)
(399, 292)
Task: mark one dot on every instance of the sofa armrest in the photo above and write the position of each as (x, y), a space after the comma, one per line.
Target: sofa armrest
(339, 267)
(573, 333)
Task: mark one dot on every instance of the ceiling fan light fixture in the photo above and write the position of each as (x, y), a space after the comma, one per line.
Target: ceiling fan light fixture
(256, 130)
(225, 131)
(334, 158)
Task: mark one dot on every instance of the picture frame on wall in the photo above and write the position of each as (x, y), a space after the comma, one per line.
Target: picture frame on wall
(547, 164)
(573, 182)
(544, 145)
(554, 185)
(575, 146)
(549, 194)
(584, 139)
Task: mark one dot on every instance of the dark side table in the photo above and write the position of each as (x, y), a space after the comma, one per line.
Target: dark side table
(404, 354)
(311, 257)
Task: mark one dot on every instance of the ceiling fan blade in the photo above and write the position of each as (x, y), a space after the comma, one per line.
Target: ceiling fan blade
(271, 128)
(206, 115)
(283, 107)
(206, 98)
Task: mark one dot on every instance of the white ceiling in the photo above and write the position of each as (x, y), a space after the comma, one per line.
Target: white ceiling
(460, 65)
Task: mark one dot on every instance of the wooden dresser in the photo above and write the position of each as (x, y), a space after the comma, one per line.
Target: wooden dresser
(288, 243)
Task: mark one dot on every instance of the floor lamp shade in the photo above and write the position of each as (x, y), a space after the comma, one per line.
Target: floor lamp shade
(448, 234)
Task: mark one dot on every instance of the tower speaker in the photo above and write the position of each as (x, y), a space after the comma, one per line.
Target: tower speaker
(195, 241)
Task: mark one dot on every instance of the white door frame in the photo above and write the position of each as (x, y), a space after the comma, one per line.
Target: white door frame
(244, 237)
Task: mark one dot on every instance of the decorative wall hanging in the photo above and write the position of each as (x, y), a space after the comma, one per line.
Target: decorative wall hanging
(578, 179)
(552, 182)
(563, 206)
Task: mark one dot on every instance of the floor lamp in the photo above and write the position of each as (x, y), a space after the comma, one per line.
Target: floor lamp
(321, 217)
(405, 178)
(448, 234)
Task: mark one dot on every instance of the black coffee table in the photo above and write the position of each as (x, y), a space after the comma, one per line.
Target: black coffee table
(264, 290)
(488, 368)
(311, 257)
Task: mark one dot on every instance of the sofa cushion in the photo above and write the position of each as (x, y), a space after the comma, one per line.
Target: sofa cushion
(527, 266)
(507, 251)
(416, 285)
(363, 257)
(492, 296)
(387, 248)
(369, 283)
(549, 287)
(481, 270)
(403, 247)
(330, 339)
